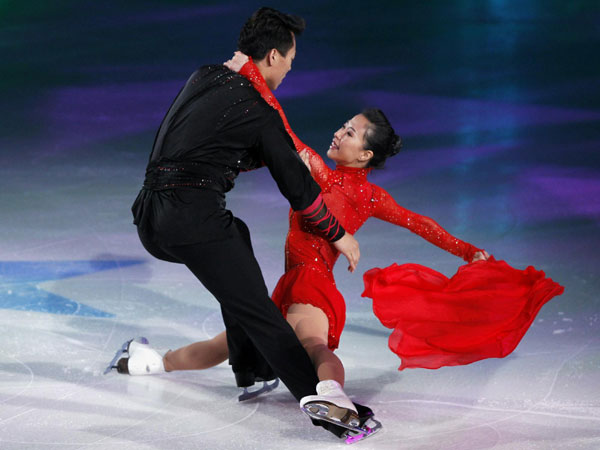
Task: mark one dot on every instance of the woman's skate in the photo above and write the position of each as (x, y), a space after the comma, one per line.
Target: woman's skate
(332, 405)
(136, 357)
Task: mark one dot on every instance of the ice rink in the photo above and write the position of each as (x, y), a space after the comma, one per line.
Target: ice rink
(498, 103)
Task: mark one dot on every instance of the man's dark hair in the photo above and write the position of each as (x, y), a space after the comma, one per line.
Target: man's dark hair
(268, 28)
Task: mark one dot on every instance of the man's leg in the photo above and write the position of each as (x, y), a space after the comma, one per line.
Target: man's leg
(246, 361)
(146, 238)
(230, 272)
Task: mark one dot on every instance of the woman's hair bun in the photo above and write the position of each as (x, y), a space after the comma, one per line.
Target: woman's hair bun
(380, 138)
(396, 145)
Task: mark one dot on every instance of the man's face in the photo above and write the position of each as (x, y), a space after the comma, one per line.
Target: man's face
(281, 65)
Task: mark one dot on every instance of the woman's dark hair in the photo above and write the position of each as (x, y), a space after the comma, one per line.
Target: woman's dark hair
(380, 138)
(268, 28)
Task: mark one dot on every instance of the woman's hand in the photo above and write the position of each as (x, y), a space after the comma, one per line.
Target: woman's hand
(237, 62)
(480, 256)
(305, 156)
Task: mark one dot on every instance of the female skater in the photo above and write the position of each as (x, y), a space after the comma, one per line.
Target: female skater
(483, 311)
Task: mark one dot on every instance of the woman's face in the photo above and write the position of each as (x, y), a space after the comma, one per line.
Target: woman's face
(347, 146)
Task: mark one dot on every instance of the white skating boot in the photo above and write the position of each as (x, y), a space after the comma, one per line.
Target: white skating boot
(143, 360)
(136, 357)
(332, 405)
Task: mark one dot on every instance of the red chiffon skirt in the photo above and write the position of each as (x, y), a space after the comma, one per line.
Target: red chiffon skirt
(483, 311)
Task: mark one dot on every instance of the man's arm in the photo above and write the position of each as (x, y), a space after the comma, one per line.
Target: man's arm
(296, 184)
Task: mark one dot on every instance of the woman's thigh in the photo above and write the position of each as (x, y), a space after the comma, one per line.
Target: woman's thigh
(309, 323)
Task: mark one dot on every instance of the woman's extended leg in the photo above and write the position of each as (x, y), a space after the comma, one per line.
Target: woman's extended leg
(199, 355)
(311, 326)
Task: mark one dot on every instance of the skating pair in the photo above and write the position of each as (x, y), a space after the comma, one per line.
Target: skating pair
(331, 406)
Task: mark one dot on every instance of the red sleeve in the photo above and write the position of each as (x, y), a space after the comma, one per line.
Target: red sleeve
(386, 208)
(318, 169)
(317, 213)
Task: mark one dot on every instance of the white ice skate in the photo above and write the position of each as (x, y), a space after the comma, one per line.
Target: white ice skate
(143, 360)
(136, 357)
(332, 405)
(123, 351)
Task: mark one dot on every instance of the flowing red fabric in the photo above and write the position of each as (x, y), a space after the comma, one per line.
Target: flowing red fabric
(483, 311)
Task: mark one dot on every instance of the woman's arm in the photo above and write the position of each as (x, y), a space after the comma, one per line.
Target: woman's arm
(386, 208)
(246, 67)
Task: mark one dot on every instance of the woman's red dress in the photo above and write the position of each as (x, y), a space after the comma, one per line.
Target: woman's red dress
(483, 311)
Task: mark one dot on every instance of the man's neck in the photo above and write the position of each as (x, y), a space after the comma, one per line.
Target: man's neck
(263, 68)
(261, 65)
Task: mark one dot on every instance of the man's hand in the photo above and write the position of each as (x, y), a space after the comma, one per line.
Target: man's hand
(236, 63)
(348, 246)
(482, 255)
(305, 156)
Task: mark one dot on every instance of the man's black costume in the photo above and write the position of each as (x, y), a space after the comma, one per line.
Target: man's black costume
(218, 126)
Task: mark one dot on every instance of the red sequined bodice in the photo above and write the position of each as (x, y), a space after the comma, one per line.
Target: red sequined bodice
(348, 196)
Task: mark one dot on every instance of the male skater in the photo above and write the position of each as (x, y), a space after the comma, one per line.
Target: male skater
(217, 126)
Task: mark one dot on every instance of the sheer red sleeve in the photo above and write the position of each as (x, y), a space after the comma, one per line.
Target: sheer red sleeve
(317, 214)
(386, 208)
(318, 169)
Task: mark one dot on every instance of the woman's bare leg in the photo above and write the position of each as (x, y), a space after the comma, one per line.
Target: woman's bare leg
(199, 355)
(312, 326)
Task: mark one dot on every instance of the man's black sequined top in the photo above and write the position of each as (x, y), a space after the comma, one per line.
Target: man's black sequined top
(217, 126)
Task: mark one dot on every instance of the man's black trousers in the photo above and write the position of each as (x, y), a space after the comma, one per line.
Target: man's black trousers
(258, 336)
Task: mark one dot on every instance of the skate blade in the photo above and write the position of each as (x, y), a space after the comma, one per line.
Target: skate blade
(369, 428)
(247, 395)
(121, 351)
(113, 363)
(344, 417)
